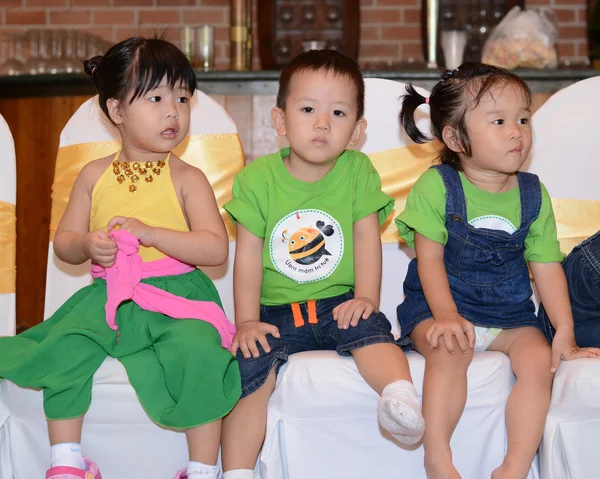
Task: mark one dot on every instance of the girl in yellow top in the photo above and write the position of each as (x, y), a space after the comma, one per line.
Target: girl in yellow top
(143, 195)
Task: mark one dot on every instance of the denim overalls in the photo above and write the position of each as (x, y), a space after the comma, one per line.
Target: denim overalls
(488, 276)
(582, 269)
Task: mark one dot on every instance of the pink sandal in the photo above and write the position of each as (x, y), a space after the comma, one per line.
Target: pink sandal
(181, 474)
(65, 472)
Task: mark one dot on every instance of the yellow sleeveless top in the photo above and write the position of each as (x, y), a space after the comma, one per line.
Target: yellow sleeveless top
(154, 203)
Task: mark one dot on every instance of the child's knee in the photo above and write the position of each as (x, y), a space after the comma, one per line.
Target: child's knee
(376, 329)
(260, 372)
(533, 361)
(441, 357)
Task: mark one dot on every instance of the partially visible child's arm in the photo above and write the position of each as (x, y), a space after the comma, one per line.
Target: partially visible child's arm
(433, 276)
(367, 259)
(206, 244)
(247, 284)
(367, 274)
(73, 242)
(552, 287)
(247, 276)
(434, 281)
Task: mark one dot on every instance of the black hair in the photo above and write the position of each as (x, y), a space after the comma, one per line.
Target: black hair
(327, 60)
(457, 92)
(135, 66)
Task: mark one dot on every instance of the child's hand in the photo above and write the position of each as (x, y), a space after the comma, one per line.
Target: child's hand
(143, 232)
(100, 248)
(248, 334)
(350, 312)
(565, 347)
(451, 325)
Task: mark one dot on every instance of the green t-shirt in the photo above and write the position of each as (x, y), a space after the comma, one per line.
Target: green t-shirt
(307, 227)
(425, 212)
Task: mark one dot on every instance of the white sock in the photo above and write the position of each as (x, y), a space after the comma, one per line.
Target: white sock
(198, 470)
(399, 412)
(239, 474)
(67, 454)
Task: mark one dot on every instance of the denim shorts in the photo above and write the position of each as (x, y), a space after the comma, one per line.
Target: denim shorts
(582, 269)
(324, 335)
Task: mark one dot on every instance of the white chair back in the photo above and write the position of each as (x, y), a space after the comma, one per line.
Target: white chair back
(565, 151)
(383, 102)
(8, 196)
(88, 124)
(565, 156)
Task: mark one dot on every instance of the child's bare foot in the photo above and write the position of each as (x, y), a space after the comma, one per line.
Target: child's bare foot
(506, 471)
(441, 468)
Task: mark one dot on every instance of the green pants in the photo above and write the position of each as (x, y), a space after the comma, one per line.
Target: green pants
(181, 374)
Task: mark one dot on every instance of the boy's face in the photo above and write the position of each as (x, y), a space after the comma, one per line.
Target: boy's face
(319, 120)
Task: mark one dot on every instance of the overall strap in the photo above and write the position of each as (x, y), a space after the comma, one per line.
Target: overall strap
(455, 195)
(530, 190)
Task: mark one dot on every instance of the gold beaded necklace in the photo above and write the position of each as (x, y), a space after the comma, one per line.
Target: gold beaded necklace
(124, 170)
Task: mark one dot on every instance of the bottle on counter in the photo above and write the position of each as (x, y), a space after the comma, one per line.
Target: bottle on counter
(240, 35)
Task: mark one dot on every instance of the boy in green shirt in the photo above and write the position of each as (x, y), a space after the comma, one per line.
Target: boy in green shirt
(308, 256)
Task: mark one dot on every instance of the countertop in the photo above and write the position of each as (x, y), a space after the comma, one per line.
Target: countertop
(265, 82)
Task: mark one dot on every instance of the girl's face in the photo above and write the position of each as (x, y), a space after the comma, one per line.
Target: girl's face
(499, 129)
(156, 121)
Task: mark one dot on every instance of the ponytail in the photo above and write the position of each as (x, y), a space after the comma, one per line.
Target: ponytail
(90, 66)
(411, 101)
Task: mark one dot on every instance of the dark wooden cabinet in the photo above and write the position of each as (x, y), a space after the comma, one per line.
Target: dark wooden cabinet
(287, 27)
(35, 123)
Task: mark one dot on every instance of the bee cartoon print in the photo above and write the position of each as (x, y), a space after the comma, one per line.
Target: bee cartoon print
(307, 245)
(312, 250)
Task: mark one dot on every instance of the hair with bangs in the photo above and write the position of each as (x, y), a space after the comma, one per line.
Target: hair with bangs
(325, 60)
(135, 66)
(458, 92)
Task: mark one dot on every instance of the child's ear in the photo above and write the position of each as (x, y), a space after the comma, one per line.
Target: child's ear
(278, 118)
(358, 132)
(114, 110)
(451, 139)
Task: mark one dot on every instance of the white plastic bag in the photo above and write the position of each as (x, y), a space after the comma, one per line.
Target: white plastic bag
(523, 39)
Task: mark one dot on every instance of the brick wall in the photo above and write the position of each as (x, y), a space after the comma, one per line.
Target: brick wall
(390, 29)
(572, 27)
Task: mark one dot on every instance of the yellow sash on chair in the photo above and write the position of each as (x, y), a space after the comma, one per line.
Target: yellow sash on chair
(399, 169)
(576, 220)
(8, 247)
(219, 156)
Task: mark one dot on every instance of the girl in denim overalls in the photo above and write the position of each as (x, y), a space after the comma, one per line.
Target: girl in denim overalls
(476, 223)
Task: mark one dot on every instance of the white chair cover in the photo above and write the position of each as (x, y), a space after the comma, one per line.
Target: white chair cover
(8, 194)
(565, 156)
(117, 433)
(322, 418)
